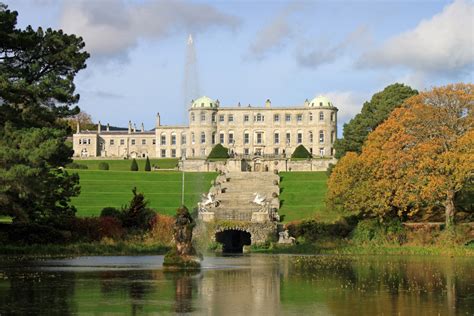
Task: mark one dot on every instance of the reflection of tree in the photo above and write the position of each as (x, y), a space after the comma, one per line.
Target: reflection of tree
(37, 293)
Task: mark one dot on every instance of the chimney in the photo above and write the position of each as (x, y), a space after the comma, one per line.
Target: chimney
(78, 127)
(129, 127)
(108, 127)
(238, 105)
(306, 102)
(157, 120)
(268, 103)
(99, 127)
(134, 127)
(143, 127)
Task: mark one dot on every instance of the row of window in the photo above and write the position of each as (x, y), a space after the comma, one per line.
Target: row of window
(260, 117)
(258, 151)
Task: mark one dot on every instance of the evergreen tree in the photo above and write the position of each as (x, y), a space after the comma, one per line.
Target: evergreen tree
(372, 114)
(147, 164)
(37, 92)
(134, 165)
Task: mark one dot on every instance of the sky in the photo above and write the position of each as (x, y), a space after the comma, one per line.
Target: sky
(250, 51)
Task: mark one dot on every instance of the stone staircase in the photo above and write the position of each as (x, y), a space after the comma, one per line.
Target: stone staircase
(238, 193)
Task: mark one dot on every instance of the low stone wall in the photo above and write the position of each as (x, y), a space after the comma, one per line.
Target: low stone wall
(259, 232)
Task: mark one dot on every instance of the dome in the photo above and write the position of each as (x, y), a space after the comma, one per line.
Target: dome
(320, 101)
(204, 102)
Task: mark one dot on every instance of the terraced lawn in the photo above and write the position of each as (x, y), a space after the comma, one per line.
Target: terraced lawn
(124, 164)
(162, 188)
(302, 196)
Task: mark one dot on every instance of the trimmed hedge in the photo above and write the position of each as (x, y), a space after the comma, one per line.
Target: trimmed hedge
(75, 165)
(103, 166)
(301, 152)
(134, 165)
(147, 164)
(219, 152)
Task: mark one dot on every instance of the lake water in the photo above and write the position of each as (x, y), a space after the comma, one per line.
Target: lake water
(240, 285)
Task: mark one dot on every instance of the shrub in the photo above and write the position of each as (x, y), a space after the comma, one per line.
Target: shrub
(86, 229)
(110, 227)
(103, 166)
(371, 230)
(134, 165)
(330, 169)
(29, 233)
(111, 212)
(312, 230)
(162, 228)
(301, 152)
(219, 152)
(137, 215)
(75, 165)
(147, 164)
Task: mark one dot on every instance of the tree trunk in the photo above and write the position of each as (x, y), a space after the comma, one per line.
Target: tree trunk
(449, 208)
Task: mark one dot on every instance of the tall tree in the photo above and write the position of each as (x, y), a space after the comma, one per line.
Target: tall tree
(37, 70)
(372, 114)
(418, 159)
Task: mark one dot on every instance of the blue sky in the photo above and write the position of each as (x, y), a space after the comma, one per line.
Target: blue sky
(248, 51)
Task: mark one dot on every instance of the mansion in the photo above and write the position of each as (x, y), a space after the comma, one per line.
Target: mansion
(245, 130)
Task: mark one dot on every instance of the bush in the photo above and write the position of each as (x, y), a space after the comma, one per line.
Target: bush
(75, 165)
(86, 229)
(162, 228)
(110, 227)
(29, 234)
(371, 230)
(330, 169)
(111, 212)
(219, 152)
(301, 152)
(312, 230)
(134, 165)
(137, 215)
(147, 164)
(103, 166)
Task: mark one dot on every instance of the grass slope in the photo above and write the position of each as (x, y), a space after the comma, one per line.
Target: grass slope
(302, 196)
(114, 188)
(124, 164)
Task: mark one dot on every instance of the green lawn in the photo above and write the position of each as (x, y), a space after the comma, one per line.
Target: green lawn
(302, 196)
(162, 188)
(124, 164)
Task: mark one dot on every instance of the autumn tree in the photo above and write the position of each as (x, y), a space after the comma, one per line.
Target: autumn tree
(418, 159)
(373, 113)
(83, 119)
(37, 91)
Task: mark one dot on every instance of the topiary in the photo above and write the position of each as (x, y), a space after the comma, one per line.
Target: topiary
(134, 165)
(301, 152)
(103, 166)
(147, 164)
(219, 152)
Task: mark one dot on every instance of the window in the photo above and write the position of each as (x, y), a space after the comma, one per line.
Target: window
(332, 137)
(310, 116)
(276, 118)
(321, 136)
(230, 118)
(288, 117)
(299, 138)
(259, 138)
(173, 153)
(246, 151)
(221, 138)
(276, 138)
(80, 141)
(183, 152)
(246, 138)
(221, 118)
(203, 138)
(259, 118)
(202, 104)
(321, 116)
(299, 117)
(143, 141)
(193, 152)
(193, 140)
(332, 116)
(288, 138)
(311, 137)
(163, 139)
(133, 142)
(203, 117)
(122, 142)
(112, 142)
(163, 153)
(183, 139)
(203, 152)
(173, 139)
(88, 141)
(321, 152)
(153, 141)
(213, 138)
(246, 118)
(320, 103)
(213, 117)
(231, 138)
(192, 117)
(276, 151)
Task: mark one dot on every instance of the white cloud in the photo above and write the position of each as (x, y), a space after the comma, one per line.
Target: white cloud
(442, 44)
(110, 28)
(349, 104)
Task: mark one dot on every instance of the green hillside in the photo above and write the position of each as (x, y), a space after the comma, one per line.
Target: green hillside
(114, 188)
(302, 196)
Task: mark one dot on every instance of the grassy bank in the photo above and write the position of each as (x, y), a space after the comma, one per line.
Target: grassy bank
(124, 164)
(162, 189)
(84, 249)
(302, 196)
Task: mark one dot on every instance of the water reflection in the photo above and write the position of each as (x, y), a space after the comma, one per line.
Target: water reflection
(253, 284)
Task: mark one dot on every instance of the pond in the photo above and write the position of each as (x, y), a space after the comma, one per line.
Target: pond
(248, 284)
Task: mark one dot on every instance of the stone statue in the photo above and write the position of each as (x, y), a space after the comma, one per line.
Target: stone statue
(285, 238)
(183, 255)
(259, 200)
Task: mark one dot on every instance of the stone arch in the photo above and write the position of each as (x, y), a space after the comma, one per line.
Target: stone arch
(233, 240)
